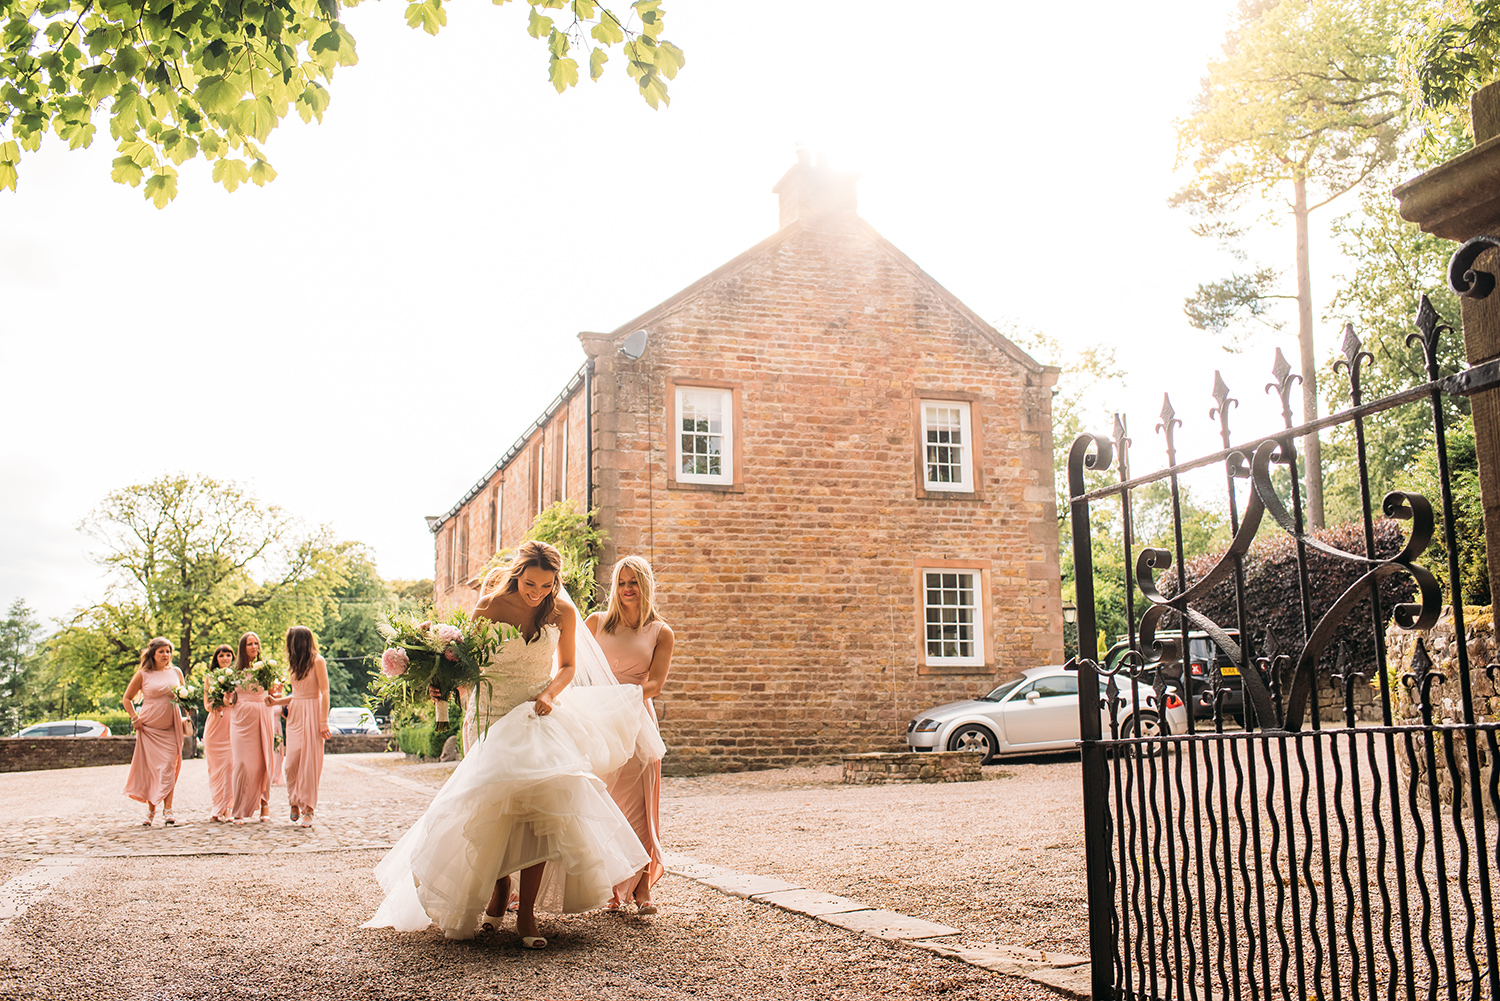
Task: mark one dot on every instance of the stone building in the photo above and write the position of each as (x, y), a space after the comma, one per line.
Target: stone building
(842, 475)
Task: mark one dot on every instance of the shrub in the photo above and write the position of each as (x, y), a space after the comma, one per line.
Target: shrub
(425, 739)
(1273, 602)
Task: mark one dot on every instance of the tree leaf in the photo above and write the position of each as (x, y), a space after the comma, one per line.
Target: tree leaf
(563, 73)
(216, 95)
(537, 25)
(162, 188)
(8, 176)
(261, 173)
(231, 173)
(597, 59)
(126, 171)
(608, 30)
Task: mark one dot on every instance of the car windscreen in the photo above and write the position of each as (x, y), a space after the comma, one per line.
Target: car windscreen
(1003, 690)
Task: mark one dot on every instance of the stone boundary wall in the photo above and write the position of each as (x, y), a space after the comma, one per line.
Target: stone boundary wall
(878, 768)
(29, 754)
(1442, 647)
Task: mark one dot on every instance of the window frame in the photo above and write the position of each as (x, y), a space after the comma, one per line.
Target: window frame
(731, 481)
(974, 449)
(984, 660)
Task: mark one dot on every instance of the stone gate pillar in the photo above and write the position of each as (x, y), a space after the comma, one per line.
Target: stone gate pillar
(1460, 200)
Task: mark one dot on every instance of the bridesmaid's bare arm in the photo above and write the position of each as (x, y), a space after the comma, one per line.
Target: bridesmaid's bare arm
(320, 669)
(661, 663)
(137, 681)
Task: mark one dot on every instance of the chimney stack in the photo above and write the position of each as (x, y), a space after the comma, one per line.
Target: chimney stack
(812, 190)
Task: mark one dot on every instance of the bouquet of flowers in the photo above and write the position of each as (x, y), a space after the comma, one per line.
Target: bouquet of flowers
(219, 684)
(267, 673)
(445, 654)
(189, 696)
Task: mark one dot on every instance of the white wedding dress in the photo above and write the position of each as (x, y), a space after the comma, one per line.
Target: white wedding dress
(528, 790)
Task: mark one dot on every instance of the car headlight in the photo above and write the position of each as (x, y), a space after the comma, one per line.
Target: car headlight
(926, 726)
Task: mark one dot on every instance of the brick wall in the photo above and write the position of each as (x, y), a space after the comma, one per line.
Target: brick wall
(793, 592)
(559, 457)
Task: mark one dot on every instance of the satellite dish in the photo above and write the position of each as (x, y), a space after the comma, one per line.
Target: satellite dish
(635, 345)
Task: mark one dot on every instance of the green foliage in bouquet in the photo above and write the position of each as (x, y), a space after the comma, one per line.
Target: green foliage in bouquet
(267, 673)
(447, 653)
(216, 684)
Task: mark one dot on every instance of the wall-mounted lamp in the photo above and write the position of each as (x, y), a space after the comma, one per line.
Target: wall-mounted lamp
(1070, 613)
(634, 345)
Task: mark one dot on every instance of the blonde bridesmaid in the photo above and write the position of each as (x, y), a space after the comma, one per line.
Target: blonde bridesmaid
(158, 727)
(638, 646)
(306, 723)
(217, 749)
(250, 737)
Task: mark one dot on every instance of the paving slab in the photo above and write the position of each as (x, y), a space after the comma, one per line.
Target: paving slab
(699, 871)
(746, 884)
(888, 925)
(811, 902)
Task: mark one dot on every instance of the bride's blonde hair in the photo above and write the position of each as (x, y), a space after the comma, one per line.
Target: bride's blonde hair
(506, 578)
(647, 581)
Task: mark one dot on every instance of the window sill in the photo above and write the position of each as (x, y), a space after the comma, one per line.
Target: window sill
(717, 488)
(946, 669)
(926, 493)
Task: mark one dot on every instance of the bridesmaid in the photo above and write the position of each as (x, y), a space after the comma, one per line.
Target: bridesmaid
(306, 723)
(158, 731)
(250, 738)
(217, 750)
(638, 646)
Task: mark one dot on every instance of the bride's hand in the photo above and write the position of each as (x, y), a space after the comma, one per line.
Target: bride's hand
(543, 704)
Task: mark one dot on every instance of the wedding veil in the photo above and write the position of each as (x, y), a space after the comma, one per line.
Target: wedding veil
(591, 668)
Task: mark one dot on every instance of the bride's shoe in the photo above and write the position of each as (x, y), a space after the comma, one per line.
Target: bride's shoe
(533, 942)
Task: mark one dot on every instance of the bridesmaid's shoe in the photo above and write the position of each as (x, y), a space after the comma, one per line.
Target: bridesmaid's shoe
(265, 812)
(294, 814)
(306, 819)
(167, 818)
(533, 942)
(150, 816)
(645, 910)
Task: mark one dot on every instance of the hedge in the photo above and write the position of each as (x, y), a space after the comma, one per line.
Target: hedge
(425, 739)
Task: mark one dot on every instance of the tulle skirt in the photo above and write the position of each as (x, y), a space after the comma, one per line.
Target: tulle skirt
(528, 792)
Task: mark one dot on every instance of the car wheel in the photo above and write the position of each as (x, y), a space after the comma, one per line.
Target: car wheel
(1145, 724)
(973, 737)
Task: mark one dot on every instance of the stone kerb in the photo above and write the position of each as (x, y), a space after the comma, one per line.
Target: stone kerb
(877, 768)
(1442, 647)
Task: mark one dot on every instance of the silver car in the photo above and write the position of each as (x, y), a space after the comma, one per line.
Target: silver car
(1036, 712)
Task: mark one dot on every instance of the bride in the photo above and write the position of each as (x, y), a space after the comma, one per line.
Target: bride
(527, 797)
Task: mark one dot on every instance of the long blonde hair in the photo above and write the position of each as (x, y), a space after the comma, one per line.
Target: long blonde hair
(646, 579)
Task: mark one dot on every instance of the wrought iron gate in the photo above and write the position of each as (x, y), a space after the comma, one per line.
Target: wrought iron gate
(1303, 855)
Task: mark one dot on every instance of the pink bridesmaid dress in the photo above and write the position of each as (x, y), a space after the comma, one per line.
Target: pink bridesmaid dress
(158, 739)
(218, 751)
(304, 745)
(250, 740)
(636, 788)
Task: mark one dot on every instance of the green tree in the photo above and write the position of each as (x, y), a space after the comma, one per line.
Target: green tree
(19, 635)
(1305, 105)
(1456, 52)
(183, 549)
(565, 526)
(207, 78)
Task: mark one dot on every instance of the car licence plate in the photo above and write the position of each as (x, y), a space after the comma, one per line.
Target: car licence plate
(1229, 672)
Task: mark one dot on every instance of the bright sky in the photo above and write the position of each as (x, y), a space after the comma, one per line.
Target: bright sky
(359, 341)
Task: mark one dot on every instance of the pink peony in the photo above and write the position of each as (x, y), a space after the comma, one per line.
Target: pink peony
(449, 634)
(424, 626)
(393, 663)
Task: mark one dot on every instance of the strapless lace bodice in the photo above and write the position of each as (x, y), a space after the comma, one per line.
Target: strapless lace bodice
(516, 674)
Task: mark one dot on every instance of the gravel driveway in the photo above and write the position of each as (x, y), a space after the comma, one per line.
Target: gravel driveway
(96, 904)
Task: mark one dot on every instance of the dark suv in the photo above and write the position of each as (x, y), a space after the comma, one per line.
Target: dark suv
(1203, 654)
